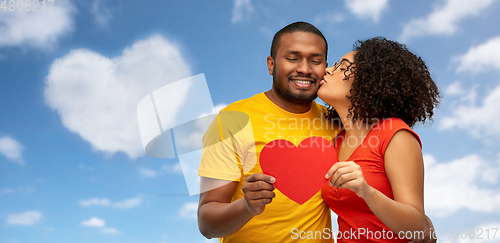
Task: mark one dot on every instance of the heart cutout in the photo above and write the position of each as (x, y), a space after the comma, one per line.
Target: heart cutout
(299, 170)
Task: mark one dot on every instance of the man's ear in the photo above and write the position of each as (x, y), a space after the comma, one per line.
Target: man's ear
(270, 65)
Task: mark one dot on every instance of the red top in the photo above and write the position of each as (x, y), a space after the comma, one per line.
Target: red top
(356, 221)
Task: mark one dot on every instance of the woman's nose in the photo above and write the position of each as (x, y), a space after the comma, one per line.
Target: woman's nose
(329, 70)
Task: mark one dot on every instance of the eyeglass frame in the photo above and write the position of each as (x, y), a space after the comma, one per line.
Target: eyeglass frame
(337, 64)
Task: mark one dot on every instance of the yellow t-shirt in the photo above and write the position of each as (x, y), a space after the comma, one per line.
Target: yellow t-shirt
(231, 150)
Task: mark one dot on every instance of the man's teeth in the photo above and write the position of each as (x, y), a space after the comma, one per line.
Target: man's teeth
(302, 82)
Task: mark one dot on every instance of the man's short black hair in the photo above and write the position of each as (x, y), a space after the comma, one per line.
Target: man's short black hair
(295, 27)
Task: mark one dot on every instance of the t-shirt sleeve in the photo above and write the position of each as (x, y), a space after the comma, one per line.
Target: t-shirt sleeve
(388, 128)
(225, 146)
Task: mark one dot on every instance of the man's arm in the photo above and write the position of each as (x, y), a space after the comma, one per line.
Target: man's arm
(219, 217)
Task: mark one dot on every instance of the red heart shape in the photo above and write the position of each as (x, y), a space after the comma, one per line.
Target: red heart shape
(299, 171)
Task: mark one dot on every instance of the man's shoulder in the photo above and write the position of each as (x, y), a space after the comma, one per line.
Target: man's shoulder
(245, 104)
(320, 109)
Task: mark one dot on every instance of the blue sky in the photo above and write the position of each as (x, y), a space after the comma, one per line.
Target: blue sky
(71, 162)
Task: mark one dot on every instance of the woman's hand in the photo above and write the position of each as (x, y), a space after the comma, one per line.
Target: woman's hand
(349, 175)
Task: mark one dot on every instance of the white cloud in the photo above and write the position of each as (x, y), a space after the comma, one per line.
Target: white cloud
(128, 203)
(26, 189)
(465, 95)
(96, 97)
(367, 9)
(188, 210)
(6, 191)
(99, 223)
(195, 135)
(266, 31)
(109, 231)
(147, 173)
(93, 222)
(215, 110)
(328, 18)
(445, 18)
(83, 167)
(481, 121)
(101, 13)
(26, 218)
(482, 57)
(21, 189)
(242, 9)
(176, 168)
(40, 29)
(103, 202)
(219, 107)
(11, 149)
(455, 88)
(164, 169)
(455, 185)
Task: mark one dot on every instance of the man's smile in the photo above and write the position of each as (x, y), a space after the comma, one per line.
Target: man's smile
(303, 83)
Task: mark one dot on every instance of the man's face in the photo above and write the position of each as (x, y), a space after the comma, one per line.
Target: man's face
(298, 67)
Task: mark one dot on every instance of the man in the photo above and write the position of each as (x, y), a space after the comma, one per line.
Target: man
(244, 206)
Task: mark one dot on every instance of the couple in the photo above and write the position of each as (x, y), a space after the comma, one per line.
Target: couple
(379, 90)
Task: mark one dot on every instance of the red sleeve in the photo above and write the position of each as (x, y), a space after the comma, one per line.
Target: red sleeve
(388, 128)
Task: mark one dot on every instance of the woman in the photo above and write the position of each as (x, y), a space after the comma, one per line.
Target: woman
(378, 92)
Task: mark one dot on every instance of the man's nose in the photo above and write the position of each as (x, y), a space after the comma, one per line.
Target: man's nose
(304, 67)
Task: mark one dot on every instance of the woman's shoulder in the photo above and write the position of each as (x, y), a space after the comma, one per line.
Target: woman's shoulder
(389, 124)
(387, 128)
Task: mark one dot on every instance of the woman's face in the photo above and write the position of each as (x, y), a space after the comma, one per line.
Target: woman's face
(335, 87)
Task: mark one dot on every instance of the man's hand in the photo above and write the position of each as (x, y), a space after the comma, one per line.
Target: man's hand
(429, 233)
(258, 190)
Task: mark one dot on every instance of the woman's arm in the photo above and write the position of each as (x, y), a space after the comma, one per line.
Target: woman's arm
(404, 167)
(405, 171)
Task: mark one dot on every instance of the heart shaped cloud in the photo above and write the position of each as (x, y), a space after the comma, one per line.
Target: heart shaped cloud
(96, 96)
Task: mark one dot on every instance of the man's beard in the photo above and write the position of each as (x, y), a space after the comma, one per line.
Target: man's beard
(285, 93)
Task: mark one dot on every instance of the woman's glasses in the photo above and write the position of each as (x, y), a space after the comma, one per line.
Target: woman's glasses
(342, 62)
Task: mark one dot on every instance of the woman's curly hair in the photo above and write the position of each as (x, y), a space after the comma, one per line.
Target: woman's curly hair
(389, 81)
